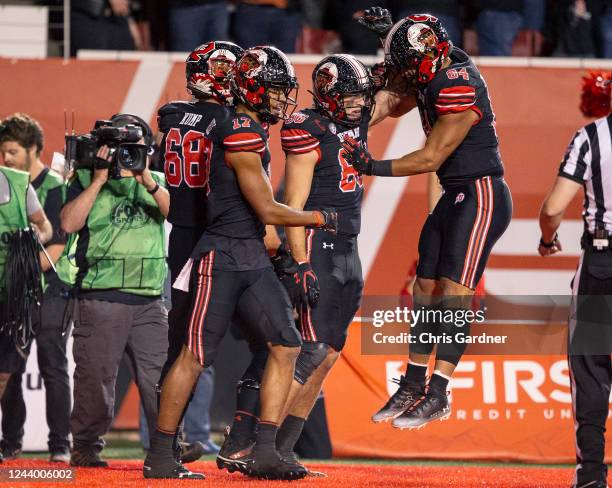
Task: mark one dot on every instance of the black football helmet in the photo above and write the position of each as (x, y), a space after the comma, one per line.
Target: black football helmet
(264, 80)
(417, 46)
(208, 67)
(334, 80)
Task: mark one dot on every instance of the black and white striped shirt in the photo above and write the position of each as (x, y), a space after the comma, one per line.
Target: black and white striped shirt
(588, 160)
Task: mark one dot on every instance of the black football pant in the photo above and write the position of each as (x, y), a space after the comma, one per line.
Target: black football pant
(181, 242)
(589, 362)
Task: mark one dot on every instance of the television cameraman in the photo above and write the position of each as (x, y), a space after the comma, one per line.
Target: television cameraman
(119, 215)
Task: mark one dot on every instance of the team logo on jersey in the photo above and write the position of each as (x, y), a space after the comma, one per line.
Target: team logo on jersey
(326, 78)
(459, 198)
(332, 128)
(128, 215)
(297, 118)
(328, 246)
(421, 37)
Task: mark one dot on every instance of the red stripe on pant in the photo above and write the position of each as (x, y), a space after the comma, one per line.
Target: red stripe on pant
(482, 222)
(488, 190)
(308, 332)
(195, 333)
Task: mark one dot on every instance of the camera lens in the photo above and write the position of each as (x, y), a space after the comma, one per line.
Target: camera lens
(131, 156)
(128, 157)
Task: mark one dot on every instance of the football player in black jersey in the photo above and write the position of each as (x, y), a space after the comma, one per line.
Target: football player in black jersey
(230, 262)
(317, 174)
(463, 149)
(185, 152)
(325, 283)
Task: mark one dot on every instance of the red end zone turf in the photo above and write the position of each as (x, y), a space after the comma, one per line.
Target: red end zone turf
(129, 473)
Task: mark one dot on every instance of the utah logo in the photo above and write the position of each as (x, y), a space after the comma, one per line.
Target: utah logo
(460, 197)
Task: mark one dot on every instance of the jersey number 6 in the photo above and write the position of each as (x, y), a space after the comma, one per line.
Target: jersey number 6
(187, 158)
(350, 179)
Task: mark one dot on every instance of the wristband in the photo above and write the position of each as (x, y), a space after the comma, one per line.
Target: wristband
(320, 219)
(154, 189)
(382, 168)
(550, 244)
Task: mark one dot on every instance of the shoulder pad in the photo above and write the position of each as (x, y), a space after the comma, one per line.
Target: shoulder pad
(174, 107)
(308, 120)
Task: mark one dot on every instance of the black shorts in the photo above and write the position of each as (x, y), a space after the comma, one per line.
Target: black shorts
(459, 234)
(216, 294)
(335, 261)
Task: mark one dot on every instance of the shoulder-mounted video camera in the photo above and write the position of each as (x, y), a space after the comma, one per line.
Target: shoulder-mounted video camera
(121, 133)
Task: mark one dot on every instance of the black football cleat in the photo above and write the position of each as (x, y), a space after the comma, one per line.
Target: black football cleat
(433, 406)
(190, 452)
(268, 464)
(407, 393)
(291, 458)
(168, 469)
(234, 455)
(162, 464)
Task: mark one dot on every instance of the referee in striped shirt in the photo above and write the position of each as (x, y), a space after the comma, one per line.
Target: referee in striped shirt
(587, 164)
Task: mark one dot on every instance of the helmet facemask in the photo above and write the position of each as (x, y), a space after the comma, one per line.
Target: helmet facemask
(280, 102)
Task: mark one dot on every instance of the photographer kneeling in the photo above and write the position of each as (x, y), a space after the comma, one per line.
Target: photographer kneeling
(118, 214)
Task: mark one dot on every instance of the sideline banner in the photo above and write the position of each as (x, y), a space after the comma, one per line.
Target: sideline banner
(511, 407)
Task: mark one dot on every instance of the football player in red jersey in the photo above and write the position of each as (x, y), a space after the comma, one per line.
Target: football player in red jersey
(424, 70)
(230, 263)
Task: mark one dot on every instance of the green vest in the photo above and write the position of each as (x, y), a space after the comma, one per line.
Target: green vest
(13, 214)
(52, 180)
(66, 267)
(126, 239)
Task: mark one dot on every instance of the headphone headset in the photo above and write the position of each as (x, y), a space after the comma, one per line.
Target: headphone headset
(120, 120)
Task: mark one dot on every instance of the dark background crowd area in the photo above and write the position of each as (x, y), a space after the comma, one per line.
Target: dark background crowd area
(559, 28)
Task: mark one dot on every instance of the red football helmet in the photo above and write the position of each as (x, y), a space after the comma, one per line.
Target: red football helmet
(207, 70)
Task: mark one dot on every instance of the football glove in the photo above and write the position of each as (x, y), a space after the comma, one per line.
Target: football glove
(309, 286)
(327, 220)
(377, 19)
(285, 268)
(358, 156)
